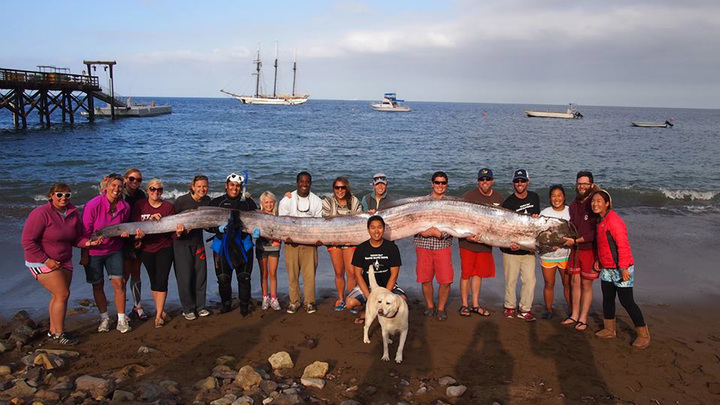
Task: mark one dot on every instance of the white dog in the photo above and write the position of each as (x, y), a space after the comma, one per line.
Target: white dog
(392, 312)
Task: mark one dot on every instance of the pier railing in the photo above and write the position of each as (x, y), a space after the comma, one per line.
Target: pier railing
(24, 78)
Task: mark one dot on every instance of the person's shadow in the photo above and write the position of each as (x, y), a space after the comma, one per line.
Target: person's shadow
(485, 365)
(577, 373)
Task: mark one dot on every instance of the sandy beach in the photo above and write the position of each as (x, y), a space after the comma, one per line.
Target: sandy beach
(508, 361)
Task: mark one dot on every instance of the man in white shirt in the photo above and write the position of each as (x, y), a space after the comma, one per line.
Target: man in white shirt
(301, 259)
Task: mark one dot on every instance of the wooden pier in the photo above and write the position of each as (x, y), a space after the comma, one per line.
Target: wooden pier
(23, 91)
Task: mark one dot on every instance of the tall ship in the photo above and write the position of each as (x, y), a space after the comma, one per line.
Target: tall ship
(274, 98)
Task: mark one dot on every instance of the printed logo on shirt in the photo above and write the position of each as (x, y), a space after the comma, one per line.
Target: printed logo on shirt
(525, 207)
(587, 217)
(375, 259)
(145, 217)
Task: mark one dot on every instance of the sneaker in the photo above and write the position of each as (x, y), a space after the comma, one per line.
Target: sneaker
(123, 326)
(339, 305)
(190, 316)
(509, 312)
(310, 308)
(527, 316)
(104, 325)
(139, 312)
(204, 312)
(65, 339)
(275, 304)
(265, 302)
(292, 308)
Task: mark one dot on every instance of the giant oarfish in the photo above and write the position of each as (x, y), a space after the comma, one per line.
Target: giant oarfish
(493, 225)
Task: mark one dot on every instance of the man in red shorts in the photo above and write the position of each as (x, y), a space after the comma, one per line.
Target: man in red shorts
(432, 249)
(477, 258)
(583, 252)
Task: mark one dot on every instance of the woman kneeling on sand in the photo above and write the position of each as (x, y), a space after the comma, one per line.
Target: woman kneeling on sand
(48, 236)
(617, 270)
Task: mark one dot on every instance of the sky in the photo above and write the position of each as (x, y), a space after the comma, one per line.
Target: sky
(663, 53)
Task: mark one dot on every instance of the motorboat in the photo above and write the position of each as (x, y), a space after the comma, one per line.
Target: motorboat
(390, 104)
(570, 114)
(641, 124)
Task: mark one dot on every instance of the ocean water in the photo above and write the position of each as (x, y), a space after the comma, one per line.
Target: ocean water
(654, 174)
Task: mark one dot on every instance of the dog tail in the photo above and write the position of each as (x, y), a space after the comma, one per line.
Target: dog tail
(371, 276)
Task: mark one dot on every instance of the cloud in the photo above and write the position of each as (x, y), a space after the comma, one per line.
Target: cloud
(218, 55)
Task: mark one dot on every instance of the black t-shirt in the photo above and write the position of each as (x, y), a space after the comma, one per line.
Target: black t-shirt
(186, 202)
(132, 199)
(529, 205)
(382, 258)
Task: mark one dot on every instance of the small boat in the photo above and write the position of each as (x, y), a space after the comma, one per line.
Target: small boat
(274, 98)
(390, 104)
(570, 114)
(665, 124)
(133, 110)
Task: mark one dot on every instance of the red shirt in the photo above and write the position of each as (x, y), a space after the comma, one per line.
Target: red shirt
(585, 221)
(612, 242)
(142, 212)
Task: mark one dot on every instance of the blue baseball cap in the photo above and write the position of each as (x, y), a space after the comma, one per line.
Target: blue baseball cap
(485, 172)
(521, 174)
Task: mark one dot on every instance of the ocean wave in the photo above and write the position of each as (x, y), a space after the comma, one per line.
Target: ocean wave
(691, 195)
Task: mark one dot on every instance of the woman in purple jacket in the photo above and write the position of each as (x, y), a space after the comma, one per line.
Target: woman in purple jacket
(107, 209)
(48, 237)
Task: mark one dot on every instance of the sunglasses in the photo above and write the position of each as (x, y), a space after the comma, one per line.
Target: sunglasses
(133, 179)
(61, 195)
(340, 187)
(379, 178)
(440, 183)
(520, 181)
(485, 179)
(158, 189)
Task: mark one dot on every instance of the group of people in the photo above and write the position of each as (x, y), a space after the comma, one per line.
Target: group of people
(601, 250)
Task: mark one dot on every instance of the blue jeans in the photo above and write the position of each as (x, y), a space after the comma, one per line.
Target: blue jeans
(113, 264)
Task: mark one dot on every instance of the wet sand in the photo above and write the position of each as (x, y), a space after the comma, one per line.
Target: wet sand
(505, 360)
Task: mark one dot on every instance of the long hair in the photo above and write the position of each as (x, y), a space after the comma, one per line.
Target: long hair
(109, 178)
(348, 193)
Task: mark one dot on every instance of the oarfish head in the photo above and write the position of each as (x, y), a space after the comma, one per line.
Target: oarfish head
(554, 235)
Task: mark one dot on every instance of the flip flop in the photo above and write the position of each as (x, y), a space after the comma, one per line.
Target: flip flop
(480, 311)
(442, 316)
(569, 321)
(464, 311)
(359, 321)
(580, 326)
(429, 312)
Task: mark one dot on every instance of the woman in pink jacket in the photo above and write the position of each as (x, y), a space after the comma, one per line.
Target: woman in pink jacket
(617, 269)
(48, 237)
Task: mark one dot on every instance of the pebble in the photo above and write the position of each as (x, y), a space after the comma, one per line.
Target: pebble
(421, 391)
(97, 387)
(226, 400)
(281, 360)
(455, 391)
(5, 370)
(447, 380)
(369, 390)
(244, 400)
(147, 349)
(225, 360)
(317, 369)
(121, 396)
(313, 382)
(248, 378)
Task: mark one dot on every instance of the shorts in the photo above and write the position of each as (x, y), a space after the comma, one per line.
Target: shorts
(264, 253)
(549, 264)
(615, 276)
(331, 248)
(38, 270)
(437, 263)
(112, 263)
(357, 293)
(585, 265)
(476, 264)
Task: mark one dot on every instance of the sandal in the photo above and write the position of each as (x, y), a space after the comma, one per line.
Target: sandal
(569, 321)
(359, 321)
(429, 312)
(580, 326)
(480, 311)
(442, 316)
(464, 311)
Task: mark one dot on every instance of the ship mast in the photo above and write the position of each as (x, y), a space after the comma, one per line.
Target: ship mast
(276, 63)
(294, 71)
(257, 72)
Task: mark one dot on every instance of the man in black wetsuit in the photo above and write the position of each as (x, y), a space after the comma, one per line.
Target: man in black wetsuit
(239, 262)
